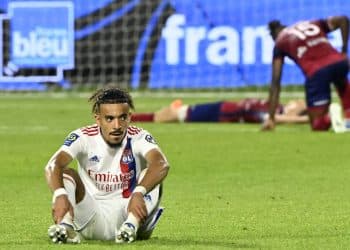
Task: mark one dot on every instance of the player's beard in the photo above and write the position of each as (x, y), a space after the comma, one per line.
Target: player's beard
(118, 133)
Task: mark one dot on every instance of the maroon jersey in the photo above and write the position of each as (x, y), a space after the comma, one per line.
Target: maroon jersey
(254, 104)
(307, 44)
(256, 110)
(248, 110)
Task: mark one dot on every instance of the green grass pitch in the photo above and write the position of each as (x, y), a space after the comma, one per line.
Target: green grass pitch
(230, 186)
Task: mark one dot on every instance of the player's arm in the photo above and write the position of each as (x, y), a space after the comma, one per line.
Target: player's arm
(275, 88)
(54, 170)
(157, 170)
(342, 23)
(54, 177)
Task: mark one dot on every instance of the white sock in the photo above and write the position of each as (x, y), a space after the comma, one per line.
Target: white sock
(133, 220)
(70, 186)
(67, 220)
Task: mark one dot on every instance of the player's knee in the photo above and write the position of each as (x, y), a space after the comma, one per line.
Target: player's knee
(321, 123)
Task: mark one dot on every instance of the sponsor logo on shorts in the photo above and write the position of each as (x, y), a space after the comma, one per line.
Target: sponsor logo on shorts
(70, 139)
(321, 102)
(147, 197)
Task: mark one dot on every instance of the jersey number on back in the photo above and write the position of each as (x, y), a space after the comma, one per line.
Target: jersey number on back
(304, 29)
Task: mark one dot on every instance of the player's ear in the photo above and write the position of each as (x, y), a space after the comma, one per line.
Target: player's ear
(97, 118)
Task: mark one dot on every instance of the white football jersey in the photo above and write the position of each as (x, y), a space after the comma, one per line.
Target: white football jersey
(109, 172)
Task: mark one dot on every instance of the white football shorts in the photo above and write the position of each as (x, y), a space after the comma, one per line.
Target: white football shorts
(98, 219)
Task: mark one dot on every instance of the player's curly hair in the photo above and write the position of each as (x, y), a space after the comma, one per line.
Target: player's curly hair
(110, 95)
(274, 24)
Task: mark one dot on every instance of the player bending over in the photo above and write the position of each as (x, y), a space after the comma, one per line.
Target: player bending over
(116, 192)
(306, 43)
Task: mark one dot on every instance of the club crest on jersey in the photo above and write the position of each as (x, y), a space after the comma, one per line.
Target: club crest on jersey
(70, 139)
(127, 157)
(150, 139)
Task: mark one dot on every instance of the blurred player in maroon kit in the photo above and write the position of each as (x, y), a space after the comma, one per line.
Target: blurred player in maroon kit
(246, 111)
(306, 43)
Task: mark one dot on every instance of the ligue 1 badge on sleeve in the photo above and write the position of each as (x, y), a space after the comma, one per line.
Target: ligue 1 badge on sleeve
(150, 139)
(70, 139)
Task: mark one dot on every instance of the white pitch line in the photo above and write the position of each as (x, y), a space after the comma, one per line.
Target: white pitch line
(16, 130)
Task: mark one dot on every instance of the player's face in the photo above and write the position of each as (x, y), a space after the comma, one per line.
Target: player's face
(113, 120)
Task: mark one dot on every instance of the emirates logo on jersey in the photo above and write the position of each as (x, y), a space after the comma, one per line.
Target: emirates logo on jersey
(110, 182)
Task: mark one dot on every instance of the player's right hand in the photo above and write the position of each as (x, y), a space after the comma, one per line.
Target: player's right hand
(60, 207)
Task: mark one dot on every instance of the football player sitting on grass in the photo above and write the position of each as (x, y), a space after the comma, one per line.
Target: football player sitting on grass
(116, 192)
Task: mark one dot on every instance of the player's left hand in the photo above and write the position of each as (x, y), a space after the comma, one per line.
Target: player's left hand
(268, 125)
(60, 207)
(137, 206)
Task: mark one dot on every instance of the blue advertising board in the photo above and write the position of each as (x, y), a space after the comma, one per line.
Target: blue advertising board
(228, 45)
(179, 43)
(37, 41)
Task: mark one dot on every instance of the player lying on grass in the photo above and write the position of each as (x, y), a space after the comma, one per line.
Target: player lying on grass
(248, 110)
(306, 43)
(115, 195)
